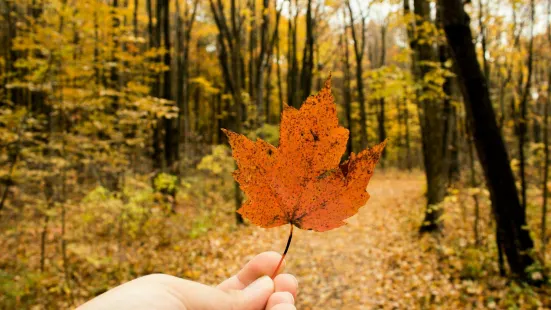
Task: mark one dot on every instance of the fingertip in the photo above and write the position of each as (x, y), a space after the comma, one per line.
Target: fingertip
(279, 298)
(284, 307)
(258, 293)
(286, 283)
(263, 264)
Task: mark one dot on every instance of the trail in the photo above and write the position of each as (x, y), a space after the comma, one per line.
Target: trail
(378, 260)
(374, 261)
(347, 264)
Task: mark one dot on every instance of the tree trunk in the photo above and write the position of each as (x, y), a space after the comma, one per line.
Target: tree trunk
(508, 212)
(114, 81)
(229, 38)
(278, 70)
(154, 42)
(292, 71)
(184, 27)
(409, 161)
(450, 116)
(347, 93)
(267, 102)
(434, 124)
(251, 4)
(11, 56)
(543, 237)
(135, 18)
(523, 120)
(359, 49)
(171, 143)
(475, 196)
(307, 56)
(382, 104)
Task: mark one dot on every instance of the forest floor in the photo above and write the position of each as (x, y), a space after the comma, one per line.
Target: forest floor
(377, 261)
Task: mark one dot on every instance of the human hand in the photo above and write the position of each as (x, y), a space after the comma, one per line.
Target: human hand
(249, 289)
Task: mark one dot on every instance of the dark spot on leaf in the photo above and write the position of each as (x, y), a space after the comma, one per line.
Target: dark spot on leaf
(316, 138)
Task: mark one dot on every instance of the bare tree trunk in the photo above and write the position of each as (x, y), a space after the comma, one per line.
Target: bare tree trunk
(382, 104)
(278, 70)
(114, 78)
(409, 161)
(474, 184)
(135, 18)
(184, 28)
(267, 99)
(510, 215)
(502, 117)
(359, 51)
(11, 54)
(434, 125)
(522, 125)
(543, 237)
(13, 157)
(155, 42)
(171, 143)
(347, 92)
(292, 71)
(229, 41)
(263, 61)
(251, 4)
(307, 56)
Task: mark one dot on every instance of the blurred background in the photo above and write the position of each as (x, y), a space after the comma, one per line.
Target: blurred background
(113, 164)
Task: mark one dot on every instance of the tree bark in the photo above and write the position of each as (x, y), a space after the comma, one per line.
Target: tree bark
(184, 28)
(292, 71)
(230, 44)
(359, 50)
(155, 42)
(409, 161)
(278, 70)
(434, 124)
(171, 143)
(307, 56)
(508, 212)
(543, 229)
(382, 104)
(523, 119)
(347, 93)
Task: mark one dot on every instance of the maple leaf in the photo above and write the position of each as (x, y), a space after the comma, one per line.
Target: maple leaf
(302, 181)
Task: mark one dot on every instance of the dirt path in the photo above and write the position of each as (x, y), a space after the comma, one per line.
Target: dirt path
(378, 261)
(343, 268)
(363, 265)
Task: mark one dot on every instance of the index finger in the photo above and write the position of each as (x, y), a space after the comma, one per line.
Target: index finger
(263, 264)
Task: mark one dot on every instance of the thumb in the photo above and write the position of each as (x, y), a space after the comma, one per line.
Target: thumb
(255, 296)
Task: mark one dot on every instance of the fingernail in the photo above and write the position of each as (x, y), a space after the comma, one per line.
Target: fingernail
(261, 284)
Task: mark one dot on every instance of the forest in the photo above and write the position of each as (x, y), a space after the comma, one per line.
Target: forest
(114, 163)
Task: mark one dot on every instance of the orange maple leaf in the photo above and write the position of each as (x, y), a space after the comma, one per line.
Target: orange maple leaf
(302, 181)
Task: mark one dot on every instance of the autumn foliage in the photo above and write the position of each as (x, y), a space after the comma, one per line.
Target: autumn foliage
(302, 181)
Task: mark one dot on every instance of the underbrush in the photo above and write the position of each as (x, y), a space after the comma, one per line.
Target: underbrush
(106, 238)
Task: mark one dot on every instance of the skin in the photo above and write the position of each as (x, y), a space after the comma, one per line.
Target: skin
(250, 289)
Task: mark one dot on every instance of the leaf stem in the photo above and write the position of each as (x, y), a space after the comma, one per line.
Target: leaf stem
(284, 252)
